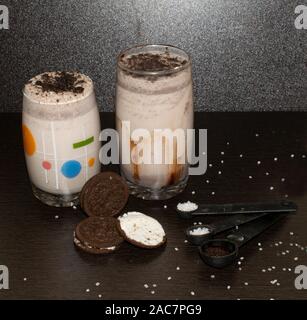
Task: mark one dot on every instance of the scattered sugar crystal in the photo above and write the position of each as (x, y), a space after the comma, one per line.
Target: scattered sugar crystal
(291, 233)
(199, 231)
(74, 207)
(213, 193)
(193, 192)
(267, 174)
(165, 206)
(212, 276)
(25, 279)
(283, 179)
(99, 296)
(87, 290)
(192, 293)
(284, 269)
(97, 284)
(169, 278)
(263, 270)
(154, 285)
(178, 268)
(176, 249)
(286, 196)
(275, 159)
(228, 287)
(222, 153)
(210, 165)
(260, 249)
(56, 217)
(152, 292)
(259, 244)
(250, 177)
(274, 281)
(241, 155)
(292, 155)
(220, 172)
(222, 161)
(258, 162)
(246, 283)
(207, 181)
(295, 259)
(241, 258)
(271, 188)
(187, 206)
(146, 286)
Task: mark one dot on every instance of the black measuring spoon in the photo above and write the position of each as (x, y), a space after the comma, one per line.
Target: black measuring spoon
(197, 234)
(219, 253)
(236, 208)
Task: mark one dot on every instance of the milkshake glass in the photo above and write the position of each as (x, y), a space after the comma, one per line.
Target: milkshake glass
(154, 92)
(61, 127)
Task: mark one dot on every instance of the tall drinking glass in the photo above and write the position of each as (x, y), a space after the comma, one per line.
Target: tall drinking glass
(154, 96)
(61, 127)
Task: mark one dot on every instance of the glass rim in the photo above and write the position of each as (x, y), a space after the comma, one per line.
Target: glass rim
(158, 72)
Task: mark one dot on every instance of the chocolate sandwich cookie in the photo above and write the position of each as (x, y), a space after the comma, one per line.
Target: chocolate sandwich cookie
(141, 230)
(98, 235)
(106, 194)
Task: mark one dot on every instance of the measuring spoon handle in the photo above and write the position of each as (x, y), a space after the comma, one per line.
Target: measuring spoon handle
(236, 208)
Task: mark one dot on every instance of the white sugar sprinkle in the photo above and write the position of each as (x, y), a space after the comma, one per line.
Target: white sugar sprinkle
(263, 270)
(87, 290)
(295, 259)
(267, 174)
(292, 155)
(291, 233)
(152, 292)
(193, 192)
(283, 179)
(25, 279)
(176, 249)
(260, 249)
(271, 188)
(258, 162)
(250, 177)
(165, 206)
(241, 156)
(213, 193)
(220, 172)
(275, 159)
(178, 268)
(212, 276)
(146, 286)
(74, 207)
(207, 181)
(187, 206)
(99, 296)
(228, 287)
(246, 283)
(97, 284)
(222, 153)
(56, 217)
(222, 161)
(169, 278)
(259, 244)
(192, 293)
(154, 285)
(274, 281)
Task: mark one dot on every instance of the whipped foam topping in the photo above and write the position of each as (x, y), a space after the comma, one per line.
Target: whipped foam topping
(58, 87)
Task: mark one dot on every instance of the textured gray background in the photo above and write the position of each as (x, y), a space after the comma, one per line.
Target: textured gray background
(247, 55)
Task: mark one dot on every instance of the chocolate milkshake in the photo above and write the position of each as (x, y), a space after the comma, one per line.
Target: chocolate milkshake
(61, 128)
(154, 92)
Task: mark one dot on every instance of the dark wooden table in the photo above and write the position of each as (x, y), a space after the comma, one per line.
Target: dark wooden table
(44, 264)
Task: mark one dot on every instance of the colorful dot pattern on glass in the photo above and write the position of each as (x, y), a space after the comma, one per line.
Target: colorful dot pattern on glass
(70, 169)
(91, 162)
(46, 165)
(83, 143)
(28, 141)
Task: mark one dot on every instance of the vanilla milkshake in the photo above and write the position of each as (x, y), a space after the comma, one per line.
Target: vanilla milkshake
(61, 128)
(154, 91)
